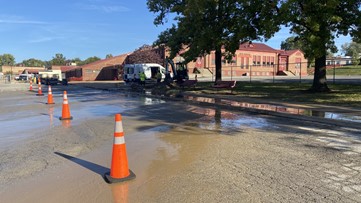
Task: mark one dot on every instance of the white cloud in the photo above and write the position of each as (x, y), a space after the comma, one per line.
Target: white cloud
(21, 22)
(44, 39)
(104, 8)
(18, 20)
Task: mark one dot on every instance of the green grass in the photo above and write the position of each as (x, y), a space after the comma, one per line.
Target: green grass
(341, 95)
(345, 70)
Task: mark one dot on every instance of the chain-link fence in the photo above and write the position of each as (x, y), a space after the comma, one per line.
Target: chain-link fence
(291, 72)
(6, 79)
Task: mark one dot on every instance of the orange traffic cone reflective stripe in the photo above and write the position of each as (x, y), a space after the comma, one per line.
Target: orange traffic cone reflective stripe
(50, 96)
(119, 170)
(40, 93)
(65, 115)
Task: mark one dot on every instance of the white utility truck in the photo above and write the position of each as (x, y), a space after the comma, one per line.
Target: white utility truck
(131, 71)
(50, 77)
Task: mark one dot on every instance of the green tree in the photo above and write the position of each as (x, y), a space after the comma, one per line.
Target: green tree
(213, 25)
(352, 49)
(33, 63)
(7, 60)
(90, 60)
(47, 65)
(58, 60)
(109, 56)
(291, 43)
(317, 23)
(76, 60)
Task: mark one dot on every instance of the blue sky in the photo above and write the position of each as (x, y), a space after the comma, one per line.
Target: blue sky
(82, 28)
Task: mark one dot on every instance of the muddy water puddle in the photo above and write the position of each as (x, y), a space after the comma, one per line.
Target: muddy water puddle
(225, 122)
(277, 108)
(24, 115)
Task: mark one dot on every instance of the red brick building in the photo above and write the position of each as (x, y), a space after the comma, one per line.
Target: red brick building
(256, 59)
(106, 69)
(16, 70)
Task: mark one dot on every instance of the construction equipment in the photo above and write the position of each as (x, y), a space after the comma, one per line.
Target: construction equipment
(50, 77)
(179, 70)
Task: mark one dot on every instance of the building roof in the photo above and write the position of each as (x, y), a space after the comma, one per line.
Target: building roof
(251, 46)
(68, 68)
(288, 52)
(33, 71)
(116, 60)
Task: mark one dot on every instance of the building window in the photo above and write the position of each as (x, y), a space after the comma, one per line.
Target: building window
(264, 58)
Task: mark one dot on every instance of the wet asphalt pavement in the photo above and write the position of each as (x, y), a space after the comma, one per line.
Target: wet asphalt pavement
(180, 152)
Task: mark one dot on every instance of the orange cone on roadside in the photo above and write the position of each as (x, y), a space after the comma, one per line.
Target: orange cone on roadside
(31, 86)
(65, 115)
(50, 96)
(119, 170)
(40, 93)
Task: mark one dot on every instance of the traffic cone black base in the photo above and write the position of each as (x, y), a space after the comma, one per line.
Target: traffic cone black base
(70, 118)
(109, 179)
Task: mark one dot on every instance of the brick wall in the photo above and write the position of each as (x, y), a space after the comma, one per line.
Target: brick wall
(106, 69)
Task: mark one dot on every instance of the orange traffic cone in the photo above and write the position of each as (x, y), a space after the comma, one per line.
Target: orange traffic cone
(40, 93)
(119, 170)
(50, 96)
(31, 86)
(65, 115)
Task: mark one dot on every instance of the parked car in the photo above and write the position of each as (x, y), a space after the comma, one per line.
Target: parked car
(25, 77)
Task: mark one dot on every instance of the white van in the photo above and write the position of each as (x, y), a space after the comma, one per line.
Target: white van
(131, 71)
(50, 77)
(25, 77)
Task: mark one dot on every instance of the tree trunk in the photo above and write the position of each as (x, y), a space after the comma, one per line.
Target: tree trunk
(218, 64)
(319, 78)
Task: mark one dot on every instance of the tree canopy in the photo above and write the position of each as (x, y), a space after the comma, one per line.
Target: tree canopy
(58, 60)
(90, 60)
(7, 60)
(291, 43)
(352, 49)
(33, 63)
(206, 25)
(317, 23)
